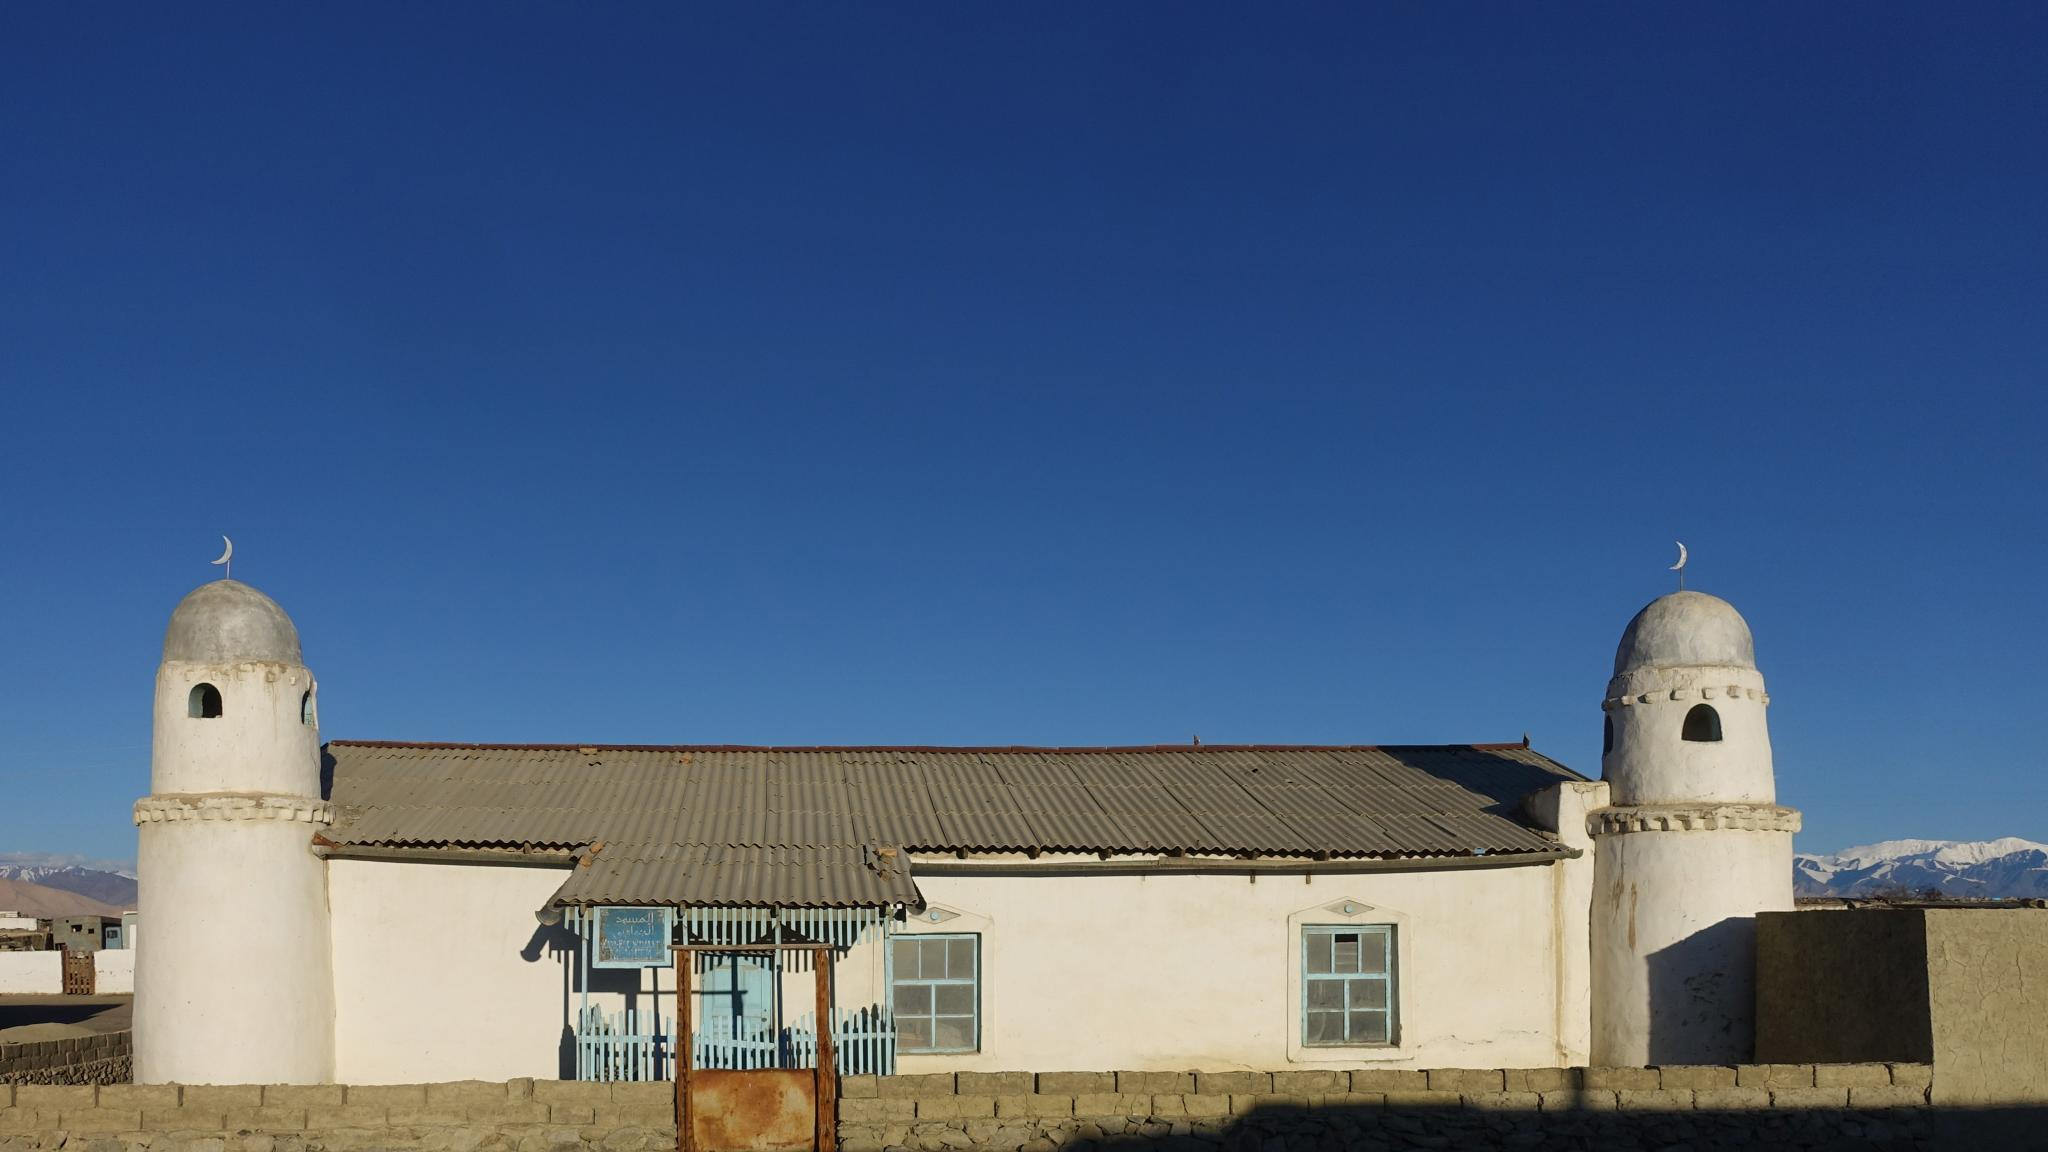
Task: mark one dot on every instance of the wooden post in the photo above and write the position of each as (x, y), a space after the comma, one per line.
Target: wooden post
(685, 1052)
(827, 1094)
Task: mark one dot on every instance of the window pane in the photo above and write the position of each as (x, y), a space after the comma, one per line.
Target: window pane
(954, 1032)
(954, 999)
(913, 1032)
(1374, 957)
(1368, 1028)
(913, 998)
(1318, 952)
(935, 996)
(1347, 987)
(1325, 1028)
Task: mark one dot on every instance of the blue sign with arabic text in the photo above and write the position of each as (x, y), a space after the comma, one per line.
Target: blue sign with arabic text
(631, 938)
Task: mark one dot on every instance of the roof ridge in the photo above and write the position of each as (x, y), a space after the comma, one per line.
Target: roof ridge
(1076, 749)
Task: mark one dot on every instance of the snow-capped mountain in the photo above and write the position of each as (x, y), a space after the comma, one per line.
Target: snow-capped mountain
(1983, 869)
(108, 881)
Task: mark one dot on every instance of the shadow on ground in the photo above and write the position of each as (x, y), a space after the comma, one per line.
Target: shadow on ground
(90, 1013)
(1325, 1129)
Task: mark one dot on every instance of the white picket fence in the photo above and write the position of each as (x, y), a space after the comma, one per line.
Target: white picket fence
(624, 1045)
(863, 1041)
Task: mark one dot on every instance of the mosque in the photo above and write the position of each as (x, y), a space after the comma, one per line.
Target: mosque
(380, 912)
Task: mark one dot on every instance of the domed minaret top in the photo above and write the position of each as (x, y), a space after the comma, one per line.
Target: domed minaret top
(235, 706)
(1685, 709)
(228, 622)
(1685, 628)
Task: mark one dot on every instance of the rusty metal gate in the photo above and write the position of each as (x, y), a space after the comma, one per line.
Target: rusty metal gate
(77, 973)
(772, 1109)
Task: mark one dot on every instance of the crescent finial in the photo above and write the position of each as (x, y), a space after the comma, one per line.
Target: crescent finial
(227, 557)
(1680, 566)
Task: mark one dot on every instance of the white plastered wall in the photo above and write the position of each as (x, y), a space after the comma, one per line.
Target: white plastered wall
(442, 972)
(23, 973)
(231, 984)
(259, 744)
(1563, 810)
(113, 970)
(1652, 763)
(1674, 942)
(1176, 971)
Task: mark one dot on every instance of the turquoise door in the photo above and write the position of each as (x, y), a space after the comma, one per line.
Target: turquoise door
(736, 1011)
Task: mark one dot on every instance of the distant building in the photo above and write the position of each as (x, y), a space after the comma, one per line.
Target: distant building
(24, 934)
(377, 912)
(85, 933)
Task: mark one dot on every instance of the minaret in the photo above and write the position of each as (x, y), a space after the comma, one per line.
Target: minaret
(233, 976)
(1694, 844)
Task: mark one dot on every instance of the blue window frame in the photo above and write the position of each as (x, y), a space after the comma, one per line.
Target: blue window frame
(935, 992)
(1348, 986)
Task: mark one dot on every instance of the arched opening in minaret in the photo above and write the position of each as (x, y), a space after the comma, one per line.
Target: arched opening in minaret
(1703, 724)
(203, 703)
(1607, 737)
(306, 708)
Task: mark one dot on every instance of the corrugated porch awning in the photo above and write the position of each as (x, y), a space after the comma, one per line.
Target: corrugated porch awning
(701, 875)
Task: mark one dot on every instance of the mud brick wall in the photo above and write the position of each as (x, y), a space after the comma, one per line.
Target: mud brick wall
(466, 1116)
(105, 1058)
(1790, 1105)
(1767, 1106)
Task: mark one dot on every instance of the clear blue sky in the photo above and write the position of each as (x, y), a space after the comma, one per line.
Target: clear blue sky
(1046, 374)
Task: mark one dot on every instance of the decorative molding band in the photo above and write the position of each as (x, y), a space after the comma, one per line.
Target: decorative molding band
(1711, 692)
(1692, 818)
(235, 807)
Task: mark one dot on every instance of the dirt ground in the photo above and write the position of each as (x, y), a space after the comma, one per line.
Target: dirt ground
(28, 1019)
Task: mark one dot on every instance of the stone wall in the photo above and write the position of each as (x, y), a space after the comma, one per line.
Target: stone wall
(104, 1058)
(1800, 1105)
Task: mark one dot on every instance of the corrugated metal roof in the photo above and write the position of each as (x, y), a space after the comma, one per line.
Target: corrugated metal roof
(701, 874)
(1356, 801)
